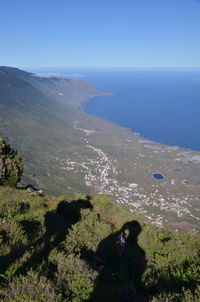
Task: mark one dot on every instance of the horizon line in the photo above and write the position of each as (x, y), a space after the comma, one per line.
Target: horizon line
(101, 67)
(114, 67)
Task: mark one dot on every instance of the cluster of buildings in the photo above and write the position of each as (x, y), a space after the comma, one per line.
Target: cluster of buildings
(101, 173)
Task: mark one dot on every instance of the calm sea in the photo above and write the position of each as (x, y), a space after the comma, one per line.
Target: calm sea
(161, 105)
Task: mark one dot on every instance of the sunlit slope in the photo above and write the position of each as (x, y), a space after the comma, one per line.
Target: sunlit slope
(70, 92)
(39, 126)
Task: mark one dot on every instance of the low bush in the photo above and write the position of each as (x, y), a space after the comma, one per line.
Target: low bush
(32, 287)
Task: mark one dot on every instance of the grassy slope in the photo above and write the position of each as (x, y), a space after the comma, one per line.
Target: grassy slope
(53, 249)
(38, 126)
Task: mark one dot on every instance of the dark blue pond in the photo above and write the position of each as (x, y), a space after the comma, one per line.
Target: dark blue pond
(158, 176)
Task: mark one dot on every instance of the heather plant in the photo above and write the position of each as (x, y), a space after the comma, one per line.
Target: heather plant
(184, 296)
(73, 277)
(86, 233)
(13, 232)
(10, 208)
(30, 287)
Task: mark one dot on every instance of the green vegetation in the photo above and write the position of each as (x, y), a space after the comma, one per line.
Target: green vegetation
(56, 249)
(11, 167)
(62, 249)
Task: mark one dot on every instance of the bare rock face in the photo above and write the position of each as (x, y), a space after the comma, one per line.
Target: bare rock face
(11, 166)
(34, 191)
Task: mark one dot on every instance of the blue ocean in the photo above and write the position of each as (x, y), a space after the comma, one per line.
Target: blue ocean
(161, 105)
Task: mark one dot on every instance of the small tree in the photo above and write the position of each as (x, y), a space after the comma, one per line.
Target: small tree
(11, 166)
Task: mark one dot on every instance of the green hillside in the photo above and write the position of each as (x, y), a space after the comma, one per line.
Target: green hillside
(39, 126)
(66, 151)
(57, 249)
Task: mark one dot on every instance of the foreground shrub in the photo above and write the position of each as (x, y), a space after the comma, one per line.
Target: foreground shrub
(73, 278)
(185, 296)
(12, 232)
(10, 209)
(87, 233)
(30, 288)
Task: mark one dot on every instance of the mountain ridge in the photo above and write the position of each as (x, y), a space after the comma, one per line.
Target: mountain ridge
(70, 92)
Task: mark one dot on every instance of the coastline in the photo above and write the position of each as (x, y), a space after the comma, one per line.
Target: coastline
(77, 152)
(171, 200)
(135, 133)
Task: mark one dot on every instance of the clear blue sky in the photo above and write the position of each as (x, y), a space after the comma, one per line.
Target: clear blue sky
(117, 33)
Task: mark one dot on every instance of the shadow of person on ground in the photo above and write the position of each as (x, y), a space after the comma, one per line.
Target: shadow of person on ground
(57, 224)
(121, 263)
